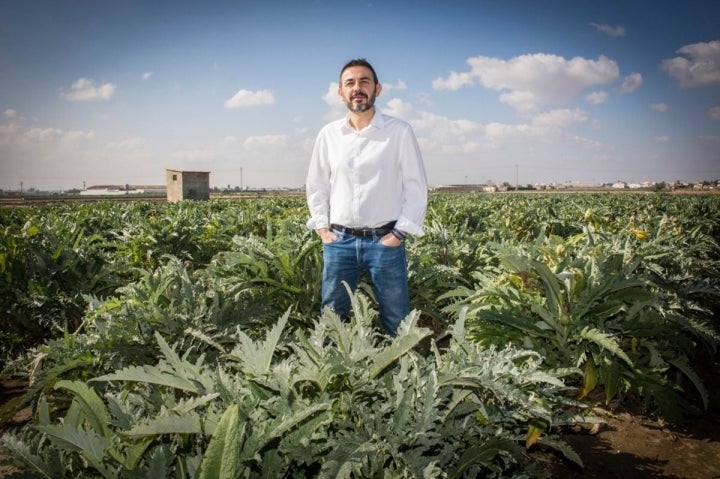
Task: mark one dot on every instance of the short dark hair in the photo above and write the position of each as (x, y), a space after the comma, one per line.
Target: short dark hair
(359, 62)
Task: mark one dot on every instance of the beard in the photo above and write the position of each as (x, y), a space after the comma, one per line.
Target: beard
(361, 107)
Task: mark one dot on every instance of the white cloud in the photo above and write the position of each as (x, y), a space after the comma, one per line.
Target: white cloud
(531, 81)
(10, 113)
(8, 132)
(560, 118)
(147, 75)
(613, 31)
(505, 131)
(261, 141)
(661, 107)
(454, 81)
(397, 107)
(520, 100)
(77, 135)
(439, 135)
(714, 113)
(331, 96)
(59, 137)
(247, 98)
(194, 155)
(596, 97)
(84, 89)
(400, 85)
(631, 83)
(42, 134)
(702, 67)
(126, 144)
(662, 139)
(335, 101)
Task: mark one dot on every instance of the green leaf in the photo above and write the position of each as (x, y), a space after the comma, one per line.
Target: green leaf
(222, 457)
(485, 453)
(34, 465)
(256, 357)
(169, 424)
(399, 346)
(590, 378)
(553, 290)
(92, 406)
(150, 375)
(683, 366)
(605, 341)
(46, 379)
(566, 450)
(88, 444)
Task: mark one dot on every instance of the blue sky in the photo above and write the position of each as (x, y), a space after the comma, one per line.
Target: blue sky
(114, 92)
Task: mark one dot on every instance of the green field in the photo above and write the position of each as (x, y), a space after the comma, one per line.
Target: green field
(185, 340)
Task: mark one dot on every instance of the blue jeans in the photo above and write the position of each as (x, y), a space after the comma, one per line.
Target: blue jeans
(347, 257)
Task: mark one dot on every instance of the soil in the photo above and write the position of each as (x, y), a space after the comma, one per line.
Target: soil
(630, 445)
(627, 445)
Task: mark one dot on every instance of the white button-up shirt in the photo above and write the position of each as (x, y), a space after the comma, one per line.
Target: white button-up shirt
(366, 178)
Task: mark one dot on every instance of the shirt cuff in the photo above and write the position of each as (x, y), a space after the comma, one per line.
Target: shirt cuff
(316, 223)
(407, 226)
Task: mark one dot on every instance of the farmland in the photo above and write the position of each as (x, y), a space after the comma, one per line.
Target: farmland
(185, 339)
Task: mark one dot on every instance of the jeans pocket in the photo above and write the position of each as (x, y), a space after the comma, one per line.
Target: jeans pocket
(338, 236)
(389, 246)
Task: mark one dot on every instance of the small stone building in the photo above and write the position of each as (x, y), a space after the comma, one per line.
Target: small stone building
(187, 185)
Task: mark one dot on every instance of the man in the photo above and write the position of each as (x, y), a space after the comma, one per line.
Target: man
(366, 191)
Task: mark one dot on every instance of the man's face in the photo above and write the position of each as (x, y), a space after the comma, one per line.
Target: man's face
(358, 89)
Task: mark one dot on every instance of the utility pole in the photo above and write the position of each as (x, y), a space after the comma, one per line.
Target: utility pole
(241, 179)
(516, 177)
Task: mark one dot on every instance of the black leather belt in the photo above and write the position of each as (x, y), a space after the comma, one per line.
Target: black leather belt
(365, 232)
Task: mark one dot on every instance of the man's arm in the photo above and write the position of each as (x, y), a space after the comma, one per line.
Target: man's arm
(317, 187)
(415, 188)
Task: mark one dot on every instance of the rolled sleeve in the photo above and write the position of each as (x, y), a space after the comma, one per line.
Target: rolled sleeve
(317, 187)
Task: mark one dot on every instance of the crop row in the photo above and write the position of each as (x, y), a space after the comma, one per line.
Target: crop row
(187, 339)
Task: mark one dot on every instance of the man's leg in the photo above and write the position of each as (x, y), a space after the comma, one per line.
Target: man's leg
(340, 263)
(388, 270)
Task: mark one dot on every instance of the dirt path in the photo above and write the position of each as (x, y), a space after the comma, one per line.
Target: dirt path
(632, 446)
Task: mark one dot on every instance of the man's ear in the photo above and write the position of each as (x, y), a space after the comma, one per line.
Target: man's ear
(378, 89)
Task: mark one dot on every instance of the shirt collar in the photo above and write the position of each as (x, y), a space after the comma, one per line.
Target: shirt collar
(377, 122)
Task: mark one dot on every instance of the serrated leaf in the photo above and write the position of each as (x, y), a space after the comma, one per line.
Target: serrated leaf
(88, 443)
(605, 341)
(33, 464)
(93, 408)
(484, 454)
(564, 448)
(169, 424)
(256, 357)
(150, 375)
